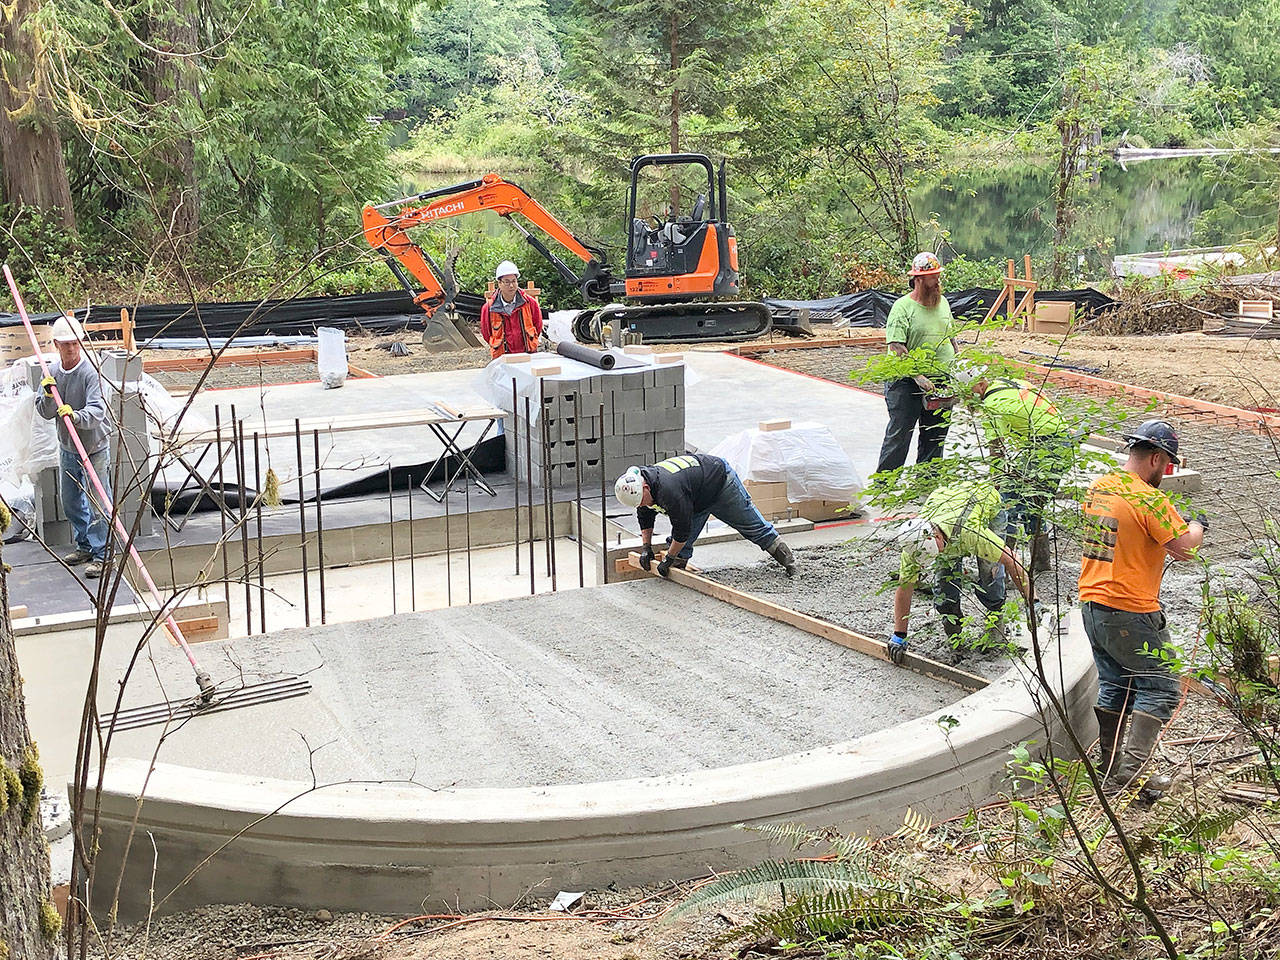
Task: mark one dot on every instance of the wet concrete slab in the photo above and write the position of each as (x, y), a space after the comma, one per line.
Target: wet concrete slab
(628, 680)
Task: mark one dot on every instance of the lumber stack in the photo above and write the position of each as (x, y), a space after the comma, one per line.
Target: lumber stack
(643, 423)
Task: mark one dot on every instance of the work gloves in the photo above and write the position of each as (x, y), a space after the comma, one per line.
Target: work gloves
(896, 647)
(66, 411)
(646, 558)
(664, 566)
(1199, 516)
(47, 386)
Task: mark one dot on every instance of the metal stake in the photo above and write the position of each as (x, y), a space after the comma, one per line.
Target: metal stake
(413, 577)
(302, 525)
(546, 478)
(448, 559)
(244, 522)
(315, 437)
(466, 493)
(391, 534)
(528, 457)
(577, 477)
(222, 508)
(515, 446)
(604, 518)
(257, 500)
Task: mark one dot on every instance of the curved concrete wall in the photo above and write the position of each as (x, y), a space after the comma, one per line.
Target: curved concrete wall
(391, 849)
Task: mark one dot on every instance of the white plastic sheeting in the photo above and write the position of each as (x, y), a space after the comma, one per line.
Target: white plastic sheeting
(331, 356)
(28, 442)
(806, 457)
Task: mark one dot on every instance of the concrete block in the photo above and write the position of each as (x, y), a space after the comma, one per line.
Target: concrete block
(637, 422)
(614, 445)
(639, 445)
(669, 375)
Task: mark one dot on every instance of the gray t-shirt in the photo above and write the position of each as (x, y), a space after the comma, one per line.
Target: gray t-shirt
(81, 390)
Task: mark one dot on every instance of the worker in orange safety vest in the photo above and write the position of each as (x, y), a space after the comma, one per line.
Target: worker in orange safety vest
(510, 320)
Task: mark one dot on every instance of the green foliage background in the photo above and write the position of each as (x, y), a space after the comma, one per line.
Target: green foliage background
(833, 115)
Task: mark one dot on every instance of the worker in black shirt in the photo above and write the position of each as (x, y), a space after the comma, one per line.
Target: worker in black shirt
(689, 489)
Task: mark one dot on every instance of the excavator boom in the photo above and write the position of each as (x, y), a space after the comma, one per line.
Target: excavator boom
(386, 227)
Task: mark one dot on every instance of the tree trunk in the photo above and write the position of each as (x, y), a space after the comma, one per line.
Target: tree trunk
(173, 83)
(35, 171)
(26, 927)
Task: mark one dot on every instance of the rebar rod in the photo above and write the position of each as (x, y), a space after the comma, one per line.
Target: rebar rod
(315, 438)
(302, 525)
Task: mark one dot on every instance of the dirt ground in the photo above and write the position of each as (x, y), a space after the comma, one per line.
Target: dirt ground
(1229, 370)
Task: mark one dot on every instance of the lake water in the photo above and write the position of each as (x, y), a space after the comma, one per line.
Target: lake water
(1153, 205)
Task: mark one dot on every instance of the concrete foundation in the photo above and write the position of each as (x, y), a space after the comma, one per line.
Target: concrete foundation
(391, 846)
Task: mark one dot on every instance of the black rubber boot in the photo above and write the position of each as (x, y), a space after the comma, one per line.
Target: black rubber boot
(782, 553)
(1134, 759)
(1110, 735)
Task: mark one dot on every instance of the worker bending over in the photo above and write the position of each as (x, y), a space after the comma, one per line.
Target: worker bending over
(957, 520)
(1032, 443)
(1130, 527)
(689, 489)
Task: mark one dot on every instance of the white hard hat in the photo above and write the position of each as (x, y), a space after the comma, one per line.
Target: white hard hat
(629, 488)
(67, 329)
(505, 269)
(965, 373)
(917, 535)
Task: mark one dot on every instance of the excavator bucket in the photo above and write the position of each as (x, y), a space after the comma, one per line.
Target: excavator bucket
(445, 330)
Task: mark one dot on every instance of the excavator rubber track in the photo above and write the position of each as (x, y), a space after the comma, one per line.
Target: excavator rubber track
(677, 322)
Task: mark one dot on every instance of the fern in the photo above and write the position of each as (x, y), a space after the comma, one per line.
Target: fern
(797, 837)
(1257, 773)
(833, 915)
(802, 878)
(1196, 830)
(915, 827)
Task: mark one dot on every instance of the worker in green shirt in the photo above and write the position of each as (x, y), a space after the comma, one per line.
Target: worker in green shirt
(964, 518)
(919, 323)
(1029, 439)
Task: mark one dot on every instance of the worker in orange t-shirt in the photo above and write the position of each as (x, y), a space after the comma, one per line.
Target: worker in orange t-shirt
(1130, 528)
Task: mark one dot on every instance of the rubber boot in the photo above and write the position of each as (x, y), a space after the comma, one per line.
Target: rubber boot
(1135, 757)
(782, 553)
(1110, 734)
(1040, 553)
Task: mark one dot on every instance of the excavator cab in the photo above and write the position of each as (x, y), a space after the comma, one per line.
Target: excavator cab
(678, 257)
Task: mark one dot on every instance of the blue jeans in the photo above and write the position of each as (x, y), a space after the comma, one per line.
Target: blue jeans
(80, 499)
(1129, 678)
(734, 507)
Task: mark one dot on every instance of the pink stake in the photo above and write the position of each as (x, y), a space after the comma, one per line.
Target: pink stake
(202, 678)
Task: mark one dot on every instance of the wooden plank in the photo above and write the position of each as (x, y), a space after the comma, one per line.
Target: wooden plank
(18, 612)
(768, 426)
(244, 358)
(198, 624)
(819, 628)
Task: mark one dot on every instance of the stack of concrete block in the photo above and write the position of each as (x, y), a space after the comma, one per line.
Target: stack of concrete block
(643, 422)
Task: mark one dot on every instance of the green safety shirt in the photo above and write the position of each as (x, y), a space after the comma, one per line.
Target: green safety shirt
(964, 511)
(1014, 410)
(918, 326)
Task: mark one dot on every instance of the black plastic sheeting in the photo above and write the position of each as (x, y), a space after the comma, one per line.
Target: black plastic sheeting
(388, 310)
(490, 457)
(870, 308)
(395, 309)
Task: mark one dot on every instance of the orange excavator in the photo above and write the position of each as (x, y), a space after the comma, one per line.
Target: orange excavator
(681, 275)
